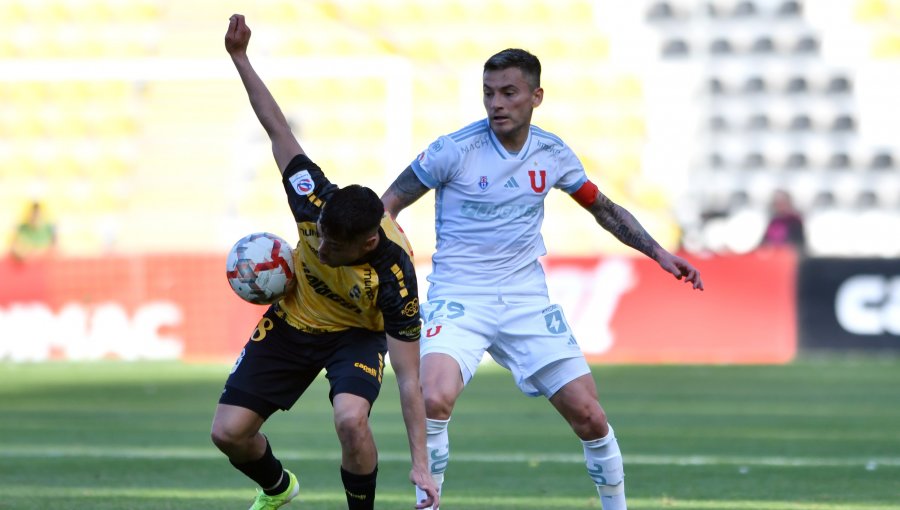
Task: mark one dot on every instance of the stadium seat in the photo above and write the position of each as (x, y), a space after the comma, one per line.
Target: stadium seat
(839, 161)
(865, 11)
(754, 85)
(796, 160)
(660, 11)
(721, 46)
(716, 160)
(806, 45)
(843, 122)
(803, 187)
(718, 123)
(789, 8)
(800, 122)
(738, 199)
(845, 187)
(824, 199)
(797, 85)
(758, 122)
(887, 186)
(763, 45)
(675, 48)
(715, 86)
(754, 160)
(745, 8)
(866, 199)
(886, 46)
(838, 85)
(882, 161)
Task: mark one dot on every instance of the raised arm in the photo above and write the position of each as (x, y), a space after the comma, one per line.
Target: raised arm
(405, 362)
(406, 189)
(284, 145)
(626, 228)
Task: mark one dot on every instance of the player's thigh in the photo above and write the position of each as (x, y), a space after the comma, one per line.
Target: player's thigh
(551, 379)
(577, 396)
(276, 366)
(577, 403)
(442, 382)
(460, 327)
(356, 366)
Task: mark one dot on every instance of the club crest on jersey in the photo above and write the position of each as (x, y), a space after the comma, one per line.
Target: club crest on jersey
(532, 174)
(483, 182)
(436, 146)
(302, 183)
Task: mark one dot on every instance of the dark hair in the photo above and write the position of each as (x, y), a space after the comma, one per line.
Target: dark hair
(351, 212)
(520, 59)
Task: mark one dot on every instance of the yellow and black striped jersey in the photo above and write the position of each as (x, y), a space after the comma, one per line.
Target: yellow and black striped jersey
(378, 292)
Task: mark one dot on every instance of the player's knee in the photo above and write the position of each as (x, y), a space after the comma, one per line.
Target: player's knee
(437, 406)
(225, 438)
(589, 421)
(352, 429)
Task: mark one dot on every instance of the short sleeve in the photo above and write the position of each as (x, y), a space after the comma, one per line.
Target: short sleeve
(306, 187)
(571, 172)
(438, 163)
(398, 299)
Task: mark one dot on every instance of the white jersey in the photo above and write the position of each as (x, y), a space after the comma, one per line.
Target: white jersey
(489, 207)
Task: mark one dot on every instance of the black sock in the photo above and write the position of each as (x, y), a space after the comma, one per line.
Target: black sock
(360, 489)
(282, 485)
(265, 471)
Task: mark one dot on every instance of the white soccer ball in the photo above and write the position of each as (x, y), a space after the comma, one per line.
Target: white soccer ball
(260, 268)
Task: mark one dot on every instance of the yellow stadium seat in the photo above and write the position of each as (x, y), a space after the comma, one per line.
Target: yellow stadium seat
(865, 11)
(13, 12)
(886, 46)
(136, 10)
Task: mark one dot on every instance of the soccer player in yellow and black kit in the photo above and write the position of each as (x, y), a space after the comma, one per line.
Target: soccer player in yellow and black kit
(354, 299)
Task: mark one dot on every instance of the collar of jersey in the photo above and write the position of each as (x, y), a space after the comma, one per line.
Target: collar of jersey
(501, 150)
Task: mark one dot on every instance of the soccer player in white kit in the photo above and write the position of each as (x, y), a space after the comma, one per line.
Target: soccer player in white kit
(487, 287)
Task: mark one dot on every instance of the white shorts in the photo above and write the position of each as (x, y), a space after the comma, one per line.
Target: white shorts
(525, 334)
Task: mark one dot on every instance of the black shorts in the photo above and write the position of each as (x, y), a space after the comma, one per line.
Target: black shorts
(279, 362)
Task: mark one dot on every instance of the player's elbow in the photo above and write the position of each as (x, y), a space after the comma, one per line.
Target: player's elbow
(392, 206)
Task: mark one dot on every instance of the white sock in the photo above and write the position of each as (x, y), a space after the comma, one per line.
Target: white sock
(437, 442)
(604, 464)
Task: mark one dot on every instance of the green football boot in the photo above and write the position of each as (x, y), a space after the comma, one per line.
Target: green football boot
(265, 502)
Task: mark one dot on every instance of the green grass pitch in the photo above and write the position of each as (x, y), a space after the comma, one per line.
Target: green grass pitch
(819, 434)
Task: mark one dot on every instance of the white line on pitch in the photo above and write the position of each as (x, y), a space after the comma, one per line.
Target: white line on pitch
(47, 451)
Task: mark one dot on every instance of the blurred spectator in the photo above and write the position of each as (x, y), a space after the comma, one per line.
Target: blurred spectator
(785, 223)
(35, 236)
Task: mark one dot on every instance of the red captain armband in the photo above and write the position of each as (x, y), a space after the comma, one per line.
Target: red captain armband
(586, 194)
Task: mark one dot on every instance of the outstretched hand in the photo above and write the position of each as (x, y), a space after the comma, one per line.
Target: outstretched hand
(423, 480)
(682, 269)
(238, 35)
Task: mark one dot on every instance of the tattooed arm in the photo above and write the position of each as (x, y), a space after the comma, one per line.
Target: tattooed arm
(626, 228)
(406, 189)
(622, 224)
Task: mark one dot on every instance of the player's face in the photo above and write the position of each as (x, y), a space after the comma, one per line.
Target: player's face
(509, 101)
(335, 252)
